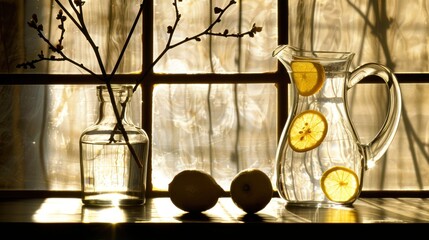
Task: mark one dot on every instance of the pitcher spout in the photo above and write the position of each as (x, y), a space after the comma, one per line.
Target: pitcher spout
(288, 53)
(284, 53)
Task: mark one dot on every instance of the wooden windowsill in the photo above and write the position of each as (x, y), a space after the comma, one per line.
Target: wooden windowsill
(67, 217)
(45, 217)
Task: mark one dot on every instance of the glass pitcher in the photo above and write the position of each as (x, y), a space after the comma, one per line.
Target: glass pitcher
(320, 160)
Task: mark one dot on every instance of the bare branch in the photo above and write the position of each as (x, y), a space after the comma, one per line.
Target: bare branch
(197, 37)
(79, 22)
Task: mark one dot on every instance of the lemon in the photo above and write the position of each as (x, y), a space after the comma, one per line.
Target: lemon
(307, 76)
(251, 190)
(340, 184)
(308, 129)
(194, 191)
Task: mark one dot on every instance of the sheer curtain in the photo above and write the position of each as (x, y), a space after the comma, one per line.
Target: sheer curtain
(207, 125)
(72, 108)
(218, 128)
(242, 117)
(394, 33)
(41, 124)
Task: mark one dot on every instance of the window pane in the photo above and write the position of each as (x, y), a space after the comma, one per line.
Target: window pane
(392, 32)
(405, 165)
(219, 128)
(216, 54)
(108, 24)
(40, 130)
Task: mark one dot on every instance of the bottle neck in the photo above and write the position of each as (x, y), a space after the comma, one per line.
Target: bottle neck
(122, 99)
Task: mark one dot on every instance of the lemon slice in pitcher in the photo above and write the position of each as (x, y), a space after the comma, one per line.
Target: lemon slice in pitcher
(308, 77)
(340, 184)
(307, 131)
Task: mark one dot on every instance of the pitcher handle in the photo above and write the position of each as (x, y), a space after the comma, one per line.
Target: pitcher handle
(378, 146)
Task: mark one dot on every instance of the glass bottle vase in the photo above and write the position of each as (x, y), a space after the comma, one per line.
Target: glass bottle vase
(113, 170)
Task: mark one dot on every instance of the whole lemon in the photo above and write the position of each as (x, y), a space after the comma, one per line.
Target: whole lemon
(251, 190)
(194, 191)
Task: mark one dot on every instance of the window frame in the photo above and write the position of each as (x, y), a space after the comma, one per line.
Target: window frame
(280, 78)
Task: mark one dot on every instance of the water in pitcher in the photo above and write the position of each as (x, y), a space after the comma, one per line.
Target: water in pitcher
(338, 147)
